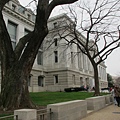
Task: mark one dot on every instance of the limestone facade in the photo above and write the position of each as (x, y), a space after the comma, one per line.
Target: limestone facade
(58, 64)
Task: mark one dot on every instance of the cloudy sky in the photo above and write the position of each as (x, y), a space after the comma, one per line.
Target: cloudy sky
(113, 61)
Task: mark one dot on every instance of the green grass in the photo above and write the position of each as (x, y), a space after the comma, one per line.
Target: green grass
(45, 98)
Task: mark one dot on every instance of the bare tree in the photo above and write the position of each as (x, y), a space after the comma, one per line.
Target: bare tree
(98, 21)
(16, 64)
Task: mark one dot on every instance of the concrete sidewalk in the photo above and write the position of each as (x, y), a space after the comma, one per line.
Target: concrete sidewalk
(110, 112)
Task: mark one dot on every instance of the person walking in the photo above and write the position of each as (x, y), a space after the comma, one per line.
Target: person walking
(117, 94)
(113, 94)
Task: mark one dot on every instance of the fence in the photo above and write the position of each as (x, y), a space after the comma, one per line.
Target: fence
(10, 117)
(43, 113)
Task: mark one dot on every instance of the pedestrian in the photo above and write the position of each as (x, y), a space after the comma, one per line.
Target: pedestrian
(110, 89)
(113, 94)
(87, 87)
(117, 94)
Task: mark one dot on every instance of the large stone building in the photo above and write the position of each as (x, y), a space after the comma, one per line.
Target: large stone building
(58, 64)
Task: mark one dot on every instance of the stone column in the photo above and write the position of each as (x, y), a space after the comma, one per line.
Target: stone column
(26, 114)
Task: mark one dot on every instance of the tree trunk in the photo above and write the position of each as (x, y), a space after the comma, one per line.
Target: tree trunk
(96, 80)
(16, 66)
(14, 92)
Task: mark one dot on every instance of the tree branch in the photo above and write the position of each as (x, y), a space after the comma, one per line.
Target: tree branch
(2, 3)
(55, 3)
(21, 45)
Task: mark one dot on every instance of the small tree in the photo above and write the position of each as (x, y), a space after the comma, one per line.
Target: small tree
(110, 80)
(16, 64)
(98, 21)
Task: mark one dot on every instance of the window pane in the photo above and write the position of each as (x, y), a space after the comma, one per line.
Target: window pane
(40, 58)
(40, 81)
(21, 9)
(72, 57)
(55, 40)
(73, 77)
(29, 81)
(56, 79)
(55, 24)
(12, 28)
(56, 56)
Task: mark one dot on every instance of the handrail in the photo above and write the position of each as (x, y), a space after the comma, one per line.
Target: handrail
(10, 117)
(41, 110)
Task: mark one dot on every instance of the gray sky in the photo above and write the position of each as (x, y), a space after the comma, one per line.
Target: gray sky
(113, 60)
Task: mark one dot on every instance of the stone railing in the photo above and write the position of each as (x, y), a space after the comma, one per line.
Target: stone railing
(71, 110)
(95, 103)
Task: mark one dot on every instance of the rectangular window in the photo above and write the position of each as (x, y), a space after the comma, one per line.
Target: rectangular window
(28, 16)
(81, 81)
(29, 80)
(40, 58)
(12, 30)
(56, 79)
(72, 57)
(40, 81)
(56, 56)
(73, 78)
(55, 24)
(56, 41)
(21, 10)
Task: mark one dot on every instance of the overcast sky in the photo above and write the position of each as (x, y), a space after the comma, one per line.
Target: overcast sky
(113, 61)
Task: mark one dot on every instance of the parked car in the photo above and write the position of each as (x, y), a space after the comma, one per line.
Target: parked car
(75, 89)
(105, 89)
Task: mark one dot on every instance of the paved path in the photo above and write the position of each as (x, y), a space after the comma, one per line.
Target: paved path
(110, 112)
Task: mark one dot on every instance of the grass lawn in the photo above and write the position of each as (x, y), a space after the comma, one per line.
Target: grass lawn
(45, 98)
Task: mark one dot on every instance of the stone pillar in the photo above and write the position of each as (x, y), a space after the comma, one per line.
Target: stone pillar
(26, 114)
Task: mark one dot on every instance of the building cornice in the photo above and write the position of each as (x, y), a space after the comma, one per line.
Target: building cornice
(17, 15)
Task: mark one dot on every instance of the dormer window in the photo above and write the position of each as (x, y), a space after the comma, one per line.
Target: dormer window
(13, 7)
(21, 10)
(55, 24)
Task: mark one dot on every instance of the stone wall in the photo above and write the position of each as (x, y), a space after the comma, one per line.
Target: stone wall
(72, 110)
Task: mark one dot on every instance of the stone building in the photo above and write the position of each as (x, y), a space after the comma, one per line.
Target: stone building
(58, 64)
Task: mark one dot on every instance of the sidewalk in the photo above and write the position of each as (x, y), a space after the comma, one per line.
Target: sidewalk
(110, 112)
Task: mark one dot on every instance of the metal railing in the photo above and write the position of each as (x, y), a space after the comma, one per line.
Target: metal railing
(42, 114)
(10, 117)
